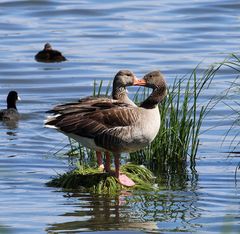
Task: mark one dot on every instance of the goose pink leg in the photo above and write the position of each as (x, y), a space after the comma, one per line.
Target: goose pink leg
(108, 162)
(99, 160)
(123, 179)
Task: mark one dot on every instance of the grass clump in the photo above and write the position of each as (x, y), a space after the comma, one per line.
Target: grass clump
(95, 181)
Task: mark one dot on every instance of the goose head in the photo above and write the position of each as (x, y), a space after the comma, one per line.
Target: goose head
(47, 46)
(121, 80)
(12, 98)
(156, 81)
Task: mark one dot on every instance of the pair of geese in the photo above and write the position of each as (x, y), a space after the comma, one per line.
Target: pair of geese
(114, 124)
(107, 125)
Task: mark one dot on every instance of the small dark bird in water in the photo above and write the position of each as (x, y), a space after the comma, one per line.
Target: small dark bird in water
(48, 55)
(11, 113)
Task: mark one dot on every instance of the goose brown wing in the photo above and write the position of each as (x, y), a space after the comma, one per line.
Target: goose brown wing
(71, 108)
(91, 124)
(89, 103)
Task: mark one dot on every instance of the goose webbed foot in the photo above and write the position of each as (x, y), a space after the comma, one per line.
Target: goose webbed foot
(125, 180)
(122, 178)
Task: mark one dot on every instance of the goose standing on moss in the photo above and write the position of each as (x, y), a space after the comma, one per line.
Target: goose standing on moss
(115, 126)
(122, 79)
(49, 55)
(11, 113)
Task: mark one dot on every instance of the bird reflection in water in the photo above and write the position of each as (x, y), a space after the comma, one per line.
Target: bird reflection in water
(102, 213)
(10, 127)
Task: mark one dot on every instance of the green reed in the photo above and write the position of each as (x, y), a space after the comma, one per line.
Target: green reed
(98, 89)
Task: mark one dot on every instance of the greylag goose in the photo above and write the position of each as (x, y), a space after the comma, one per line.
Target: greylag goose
(11, 112)
(121, 80)
(48, 55)
(115, 126)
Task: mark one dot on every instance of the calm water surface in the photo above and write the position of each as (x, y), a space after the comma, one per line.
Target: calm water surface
(99, 38)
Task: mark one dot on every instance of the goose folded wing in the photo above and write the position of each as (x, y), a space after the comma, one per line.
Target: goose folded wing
(89, 105)
(71, 108)
(118, 115)
(94, 123)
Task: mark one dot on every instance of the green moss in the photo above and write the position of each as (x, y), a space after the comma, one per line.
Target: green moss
(92, 180)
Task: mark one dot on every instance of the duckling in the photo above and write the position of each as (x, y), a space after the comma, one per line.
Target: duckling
(48, 55)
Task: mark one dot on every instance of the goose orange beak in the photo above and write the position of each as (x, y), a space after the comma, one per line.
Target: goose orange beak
(138, 82)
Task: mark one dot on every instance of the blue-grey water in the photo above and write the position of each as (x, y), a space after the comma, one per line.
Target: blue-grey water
(99, 38)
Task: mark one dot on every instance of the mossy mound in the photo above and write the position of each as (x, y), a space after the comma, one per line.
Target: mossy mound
(95, 181)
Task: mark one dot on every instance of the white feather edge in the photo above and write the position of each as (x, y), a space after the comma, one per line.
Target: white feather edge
(50, 118)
